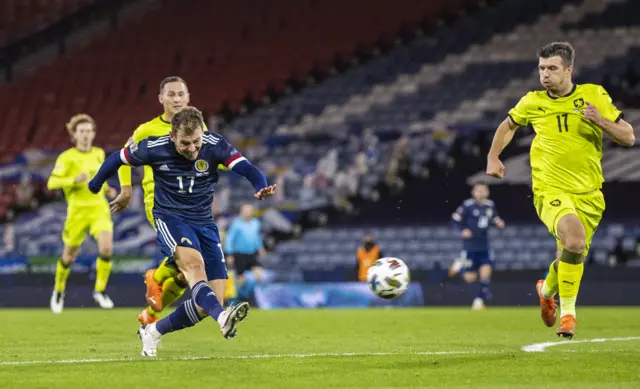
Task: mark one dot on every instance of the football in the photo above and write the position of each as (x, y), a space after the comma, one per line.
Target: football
(388, 278)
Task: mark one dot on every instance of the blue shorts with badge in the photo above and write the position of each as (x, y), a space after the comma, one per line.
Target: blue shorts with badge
(475, 259)
(174, 232)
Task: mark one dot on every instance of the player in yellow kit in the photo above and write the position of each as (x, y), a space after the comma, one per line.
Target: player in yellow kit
(86, 212)
(165, 284)
(569, 121)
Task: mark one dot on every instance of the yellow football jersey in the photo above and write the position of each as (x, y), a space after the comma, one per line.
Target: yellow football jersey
(68, 166)
(567, 148)
(158, 126)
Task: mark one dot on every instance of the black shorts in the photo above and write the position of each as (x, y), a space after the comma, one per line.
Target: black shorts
(245, 262)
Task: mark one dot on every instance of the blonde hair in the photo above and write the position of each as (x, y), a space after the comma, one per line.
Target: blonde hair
(79, 119)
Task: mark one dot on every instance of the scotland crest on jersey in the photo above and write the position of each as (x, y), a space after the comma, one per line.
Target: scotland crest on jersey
(202, 167)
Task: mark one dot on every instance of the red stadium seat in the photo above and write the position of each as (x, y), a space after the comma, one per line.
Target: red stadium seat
(224, 49)
(19, 18)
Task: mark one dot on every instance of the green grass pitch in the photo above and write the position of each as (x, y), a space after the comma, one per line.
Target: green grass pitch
(367, 348)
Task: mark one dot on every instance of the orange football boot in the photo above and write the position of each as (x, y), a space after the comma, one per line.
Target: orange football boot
(547, 306)
(154, 291)
(567, 326)
(145, 318)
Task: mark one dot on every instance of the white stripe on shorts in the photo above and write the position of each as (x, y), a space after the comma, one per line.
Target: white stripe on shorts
(164, 230)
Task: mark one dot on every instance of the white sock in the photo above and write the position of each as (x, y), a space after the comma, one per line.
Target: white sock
(222, 317)
(568, 306)
(153, 331)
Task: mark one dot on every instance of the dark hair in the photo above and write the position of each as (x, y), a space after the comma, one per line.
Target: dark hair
(171, 79)
(188, 121)
(563, 50)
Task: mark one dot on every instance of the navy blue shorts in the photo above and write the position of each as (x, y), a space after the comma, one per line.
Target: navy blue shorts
(475, 259)
(174, 232)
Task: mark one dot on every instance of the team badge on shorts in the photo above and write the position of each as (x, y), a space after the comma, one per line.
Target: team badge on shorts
(186, 240)
(202, 166)
(555, 203)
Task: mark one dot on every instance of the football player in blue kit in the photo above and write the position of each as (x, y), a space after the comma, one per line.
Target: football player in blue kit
(184, 168)
(471, 221)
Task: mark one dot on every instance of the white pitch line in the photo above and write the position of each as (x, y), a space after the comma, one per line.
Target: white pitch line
(540, 347)
(257, 356)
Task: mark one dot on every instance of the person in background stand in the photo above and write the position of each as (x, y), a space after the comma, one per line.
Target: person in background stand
(367, 255)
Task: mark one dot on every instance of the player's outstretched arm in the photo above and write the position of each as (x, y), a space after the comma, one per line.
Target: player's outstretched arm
(255, 177)
(501, 139)
(108, 168)
(620, 131)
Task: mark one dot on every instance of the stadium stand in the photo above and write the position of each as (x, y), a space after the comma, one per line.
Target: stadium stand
(220, 43)
(516, 247)
(23, 17)
(415, 104)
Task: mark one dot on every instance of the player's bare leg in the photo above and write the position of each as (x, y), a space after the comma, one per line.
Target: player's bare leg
(470, 277)
(570, 268)
(63, 268)
(218, 288)
(103, 269)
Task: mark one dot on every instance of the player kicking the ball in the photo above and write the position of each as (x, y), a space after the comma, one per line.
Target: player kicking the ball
(184, 169)
(165, 285)
(569, 120)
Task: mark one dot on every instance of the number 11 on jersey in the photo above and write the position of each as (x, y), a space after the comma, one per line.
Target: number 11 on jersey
(190, 184)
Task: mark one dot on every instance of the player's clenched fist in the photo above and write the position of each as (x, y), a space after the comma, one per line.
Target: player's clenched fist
(495, 168)
(82, 177)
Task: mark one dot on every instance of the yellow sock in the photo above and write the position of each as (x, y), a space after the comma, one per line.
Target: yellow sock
(164, 272)
(103, 271)
(150, 311)
(550, 286)
(569, 276)
(230, 291)
(62, 273)
(171, 291)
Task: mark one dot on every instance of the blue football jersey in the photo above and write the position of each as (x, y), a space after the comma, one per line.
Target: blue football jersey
(477, 218)
(183, 188)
